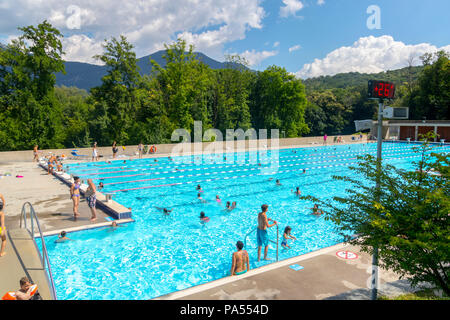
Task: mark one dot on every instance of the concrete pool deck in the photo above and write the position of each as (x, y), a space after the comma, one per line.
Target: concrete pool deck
(324, 276)
(51, 201)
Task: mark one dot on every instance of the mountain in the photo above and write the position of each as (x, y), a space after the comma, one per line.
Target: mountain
(355, 79)
(86, 76)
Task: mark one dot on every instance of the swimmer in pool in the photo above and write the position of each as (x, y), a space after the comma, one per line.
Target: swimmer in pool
(100, 185)
(316, 210)
(228, 206)
(164, 210)
(199, 188)
(297, 192)
(199, 197)
(62, 237)
(218, 199)
(287, 235)
(278, 182)
(203, 217)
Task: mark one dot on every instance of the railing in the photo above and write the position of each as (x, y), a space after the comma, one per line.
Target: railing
(44, 257)
(253, 230)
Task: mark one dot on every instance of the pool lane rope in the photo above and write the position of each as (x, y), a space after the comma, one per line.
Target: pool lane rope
(306, 157)
(210, 173)
(249, 175)
(219, 167)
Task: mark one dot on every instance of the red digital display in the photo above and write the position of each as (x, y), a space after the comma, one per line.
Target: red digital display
(381, 89)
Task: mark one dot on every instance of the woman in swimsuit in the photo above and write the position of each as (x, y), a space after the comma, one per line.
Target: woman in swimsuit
(75, 196)
(240, 260)
(2, 226)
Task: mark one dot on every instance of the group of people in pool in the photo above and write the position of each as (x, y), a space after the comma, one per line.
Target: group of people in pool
(228, 207)
(240, 259)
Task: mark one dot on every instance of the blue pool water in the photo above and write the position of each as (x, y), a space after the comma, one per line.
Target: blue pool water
(159, 254)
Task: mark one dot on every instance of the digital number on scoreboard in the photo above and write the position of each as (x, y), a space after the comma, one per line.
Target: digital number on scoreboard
(381, 89)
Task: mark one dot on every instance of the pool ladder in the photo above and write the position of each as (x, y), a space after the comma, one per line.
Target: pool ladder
(253, 230)
(44, 256)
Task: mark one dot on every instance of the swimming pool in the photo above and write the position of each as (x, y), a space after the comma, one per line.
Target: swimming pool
(160, 254)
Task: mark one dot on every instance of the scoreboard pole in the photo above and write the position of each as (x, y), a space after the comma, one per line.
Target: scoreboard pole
(374, 292)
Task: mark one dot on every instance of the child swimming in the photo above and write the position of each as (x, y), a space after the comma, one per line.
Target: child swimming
(287, 235)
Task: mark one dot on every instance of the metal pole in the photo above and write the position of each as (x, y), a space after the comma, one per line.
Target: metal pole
(375, 249)
(277, 241)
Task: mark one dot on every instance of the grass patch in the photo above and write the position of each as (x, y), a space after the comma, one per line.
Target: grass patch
(426, 294)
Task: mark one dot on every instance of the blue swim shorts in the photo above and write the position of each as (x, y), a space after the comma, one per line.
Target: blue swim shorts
(262, 238)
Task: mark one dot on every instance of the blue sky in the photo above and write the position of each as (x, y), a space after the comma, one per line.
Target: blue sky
(325, 36)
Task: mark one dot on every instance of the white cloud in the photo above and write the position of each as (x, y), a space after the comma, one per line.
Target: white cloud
(290, 8)
(367, 55)
(276, 44)
(294, 48)
(254, 57)
(320, 2)
(81, 48)
(148, 24)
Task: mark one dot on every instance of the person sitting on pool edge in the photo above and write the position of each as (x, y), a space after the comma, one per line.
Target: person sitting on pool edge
(316, 210)
(240, 260)
(203, 217)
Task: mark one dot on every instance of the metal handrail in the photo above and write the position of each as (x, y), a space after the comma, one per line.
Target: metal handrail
(253, 230)
(44, 256)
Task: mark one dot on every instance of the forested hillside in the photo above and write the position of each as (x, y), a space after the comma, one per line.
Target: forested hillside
(131, 106)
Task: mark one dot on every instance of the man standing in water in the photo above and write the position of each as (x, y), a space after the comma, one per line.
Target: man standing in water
(240, 260)
(261, 232)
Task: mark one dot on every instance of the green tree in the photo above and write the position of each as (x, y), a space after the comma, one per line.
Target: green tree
(407, 217)
(278, 101)
(228, 107)
(185, 85)
(115, 99)
(29, 112)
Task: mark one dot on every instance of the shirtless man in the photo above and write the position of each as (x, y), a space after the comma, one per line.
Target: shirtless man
(240, 260)
(261, 232)
(2, 226)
